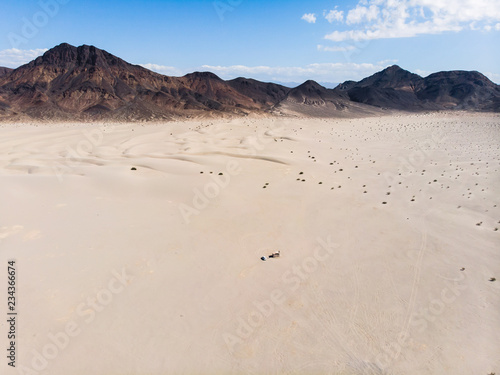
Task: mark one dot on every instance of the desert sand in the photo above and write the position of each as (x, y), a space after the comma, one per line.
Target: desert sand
(138, 246)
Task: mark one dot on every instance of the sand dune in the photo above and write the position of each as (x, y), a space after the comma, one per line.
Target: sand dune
(138, 246)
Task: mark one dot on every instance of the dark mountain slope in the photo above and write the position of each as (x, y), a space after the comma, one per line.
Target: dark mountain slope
(81, 82)
(396, 88)
(461, 90)
(260, 92)
(4, 71)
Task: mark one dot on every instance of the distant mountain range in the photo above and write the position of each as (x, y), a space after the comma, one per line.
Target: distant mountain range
(87, 83)
(396, 88)
(328, 85)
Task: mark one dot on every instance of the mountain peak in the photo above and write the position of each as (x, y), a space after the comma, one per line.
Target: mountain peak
(463, 74)
(392, 69)
(396, 71)
(58, 54)
(311, 84)
(65, 54)
(63, 45)
(203, 75)
(393, 76)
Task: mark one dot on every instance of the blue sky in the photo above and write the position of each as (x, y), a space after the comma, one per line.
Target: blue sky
(287, 41)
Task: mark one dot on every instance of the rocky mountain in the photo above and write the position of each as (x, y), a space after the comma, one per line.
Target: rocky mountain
(4, 71)
(461, 90)
(312, 93)
(267, 94)
(312, 99)
(87, 83)
(396, 88)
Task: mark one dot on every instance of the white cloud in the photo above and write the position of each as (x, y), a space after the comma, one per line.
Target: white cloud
(163, 69)
(13, 58)
(382, 19)
(334, 15)
(324, 72)
(361, 14)
(309, 17)
(345, 48)
(401, 30)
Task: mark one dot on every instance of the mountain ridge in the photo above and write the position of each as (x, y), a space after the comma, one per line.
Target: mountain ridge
(399, 89)
(87, 83)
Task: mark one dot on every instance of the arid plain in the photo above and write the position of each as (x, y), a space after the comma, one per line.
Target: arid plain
(138, 246)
